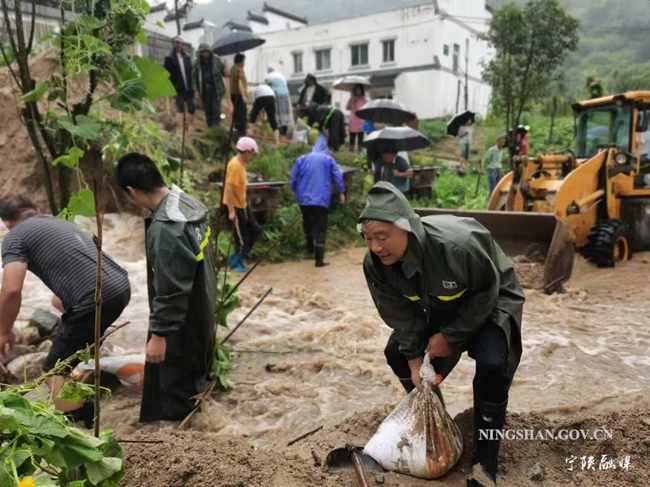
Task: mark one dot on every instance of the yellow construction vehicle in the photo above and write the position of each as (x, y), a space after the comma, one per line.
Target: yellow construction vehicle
(594, 199)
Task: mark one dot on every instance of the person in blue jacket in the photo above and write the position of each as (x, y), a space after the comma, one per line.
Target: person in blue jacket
(311, 179)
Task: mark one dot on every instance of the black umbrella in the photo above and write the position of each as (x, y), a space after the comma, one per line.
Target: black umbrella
(386, 111)
(396, 139)
(458, 121)
(235, 42)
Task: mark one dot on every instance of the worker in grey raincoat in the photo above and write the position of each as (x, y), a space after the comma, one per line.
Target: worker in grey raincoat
(445, 287)
(182, 292)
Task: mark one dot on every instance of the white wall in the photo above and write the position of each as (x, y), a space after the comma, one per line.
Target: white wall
(419, 35)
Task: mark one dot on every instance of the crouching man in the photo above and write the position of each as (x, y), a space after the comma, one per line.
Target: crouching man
(445, 287)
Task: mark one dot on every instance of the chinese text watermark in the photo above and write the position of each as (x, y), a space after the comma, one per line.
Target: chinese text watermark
(605, 463)
(530, 434)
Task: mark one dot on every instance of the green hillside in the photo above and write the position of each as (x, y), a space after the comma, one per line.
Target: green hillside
(613, 43)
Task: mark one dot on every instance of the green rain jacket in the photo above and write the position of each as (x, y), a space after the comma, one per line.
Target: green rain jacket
(454, 279)
(218, 73)
(182, 292)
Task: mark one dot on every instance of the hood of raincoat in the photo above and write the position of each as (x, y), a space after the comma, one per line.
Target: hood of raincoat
(388, 204)
(321, 145)
(178, 206)
(203, 47)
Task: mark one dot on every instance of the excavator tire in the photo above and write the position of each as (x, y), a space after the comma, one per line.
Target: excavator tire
(609, 242)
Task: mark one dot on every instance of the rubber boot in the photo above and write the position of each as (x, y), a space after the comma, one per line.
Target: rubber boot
(234, 260)
(487, 416)
(320, 256)
(241, 267)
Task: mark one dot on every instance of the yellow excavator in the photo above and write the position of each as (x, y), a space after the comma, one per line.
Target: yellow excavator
(593, 199)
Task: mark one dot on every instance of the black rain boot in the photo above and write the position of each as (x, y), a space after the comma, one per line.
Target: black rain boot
(310, 245)
(487, 416)
(320, 256)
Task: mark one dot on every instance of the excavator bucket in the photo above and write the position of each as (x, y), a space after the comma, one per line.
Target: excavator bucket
(517, 233)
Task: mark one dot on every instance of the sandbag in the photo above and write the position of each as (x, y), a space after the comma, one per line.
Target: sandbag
(129, 369)
(418, 437)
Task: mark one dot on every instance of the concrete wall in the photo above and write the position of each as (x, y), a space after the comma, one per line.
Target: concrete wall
(426, 83)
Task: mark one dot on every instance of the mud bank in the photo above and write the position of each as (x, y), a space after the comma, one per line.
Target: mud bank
(186, 459)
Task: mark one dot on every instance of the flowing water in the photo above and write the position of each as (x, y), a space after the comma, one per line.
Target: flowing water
(312, 353)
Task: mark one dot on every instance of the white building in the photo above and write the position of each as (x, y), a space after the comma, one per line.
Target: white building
(423, 53)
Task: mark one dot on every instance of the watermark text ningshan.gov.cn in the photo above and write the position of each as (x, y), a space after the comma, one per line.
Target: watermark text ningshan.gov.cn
(545, 435)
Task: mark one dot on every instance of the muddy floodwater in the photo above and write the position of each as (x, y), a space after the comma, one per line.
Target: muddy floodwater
(312, 353)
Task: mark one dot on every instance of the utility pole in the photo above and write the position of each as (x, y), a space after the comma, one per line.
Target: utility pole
(466, 74)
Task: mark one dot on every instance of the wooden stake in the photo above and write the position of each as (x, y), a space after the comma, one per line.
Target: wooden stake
(98, 303)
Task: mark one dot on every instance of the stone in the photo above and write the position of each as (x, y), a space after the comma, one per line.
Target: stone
(5, 375)
(3, 140)
(31, 363)
(537, 473)
(44, 321)
(379, 478)
(28, 336)
(19, 351)
(45, 346)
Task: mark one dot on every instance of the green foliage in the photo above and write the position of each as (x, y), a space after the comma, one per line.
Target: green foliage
(458, 192)
(531, 43)
(271, 166)
(434, 129)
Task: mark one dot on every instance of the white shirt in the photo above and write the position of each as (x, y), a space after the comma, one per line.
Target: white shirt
(264, 90)
(466, 129)
(181, 63)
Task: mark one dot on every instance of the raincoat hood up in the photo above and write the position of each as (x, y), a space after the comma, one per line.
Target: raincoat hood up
(313, 174)
(182, 292)
(453, 279)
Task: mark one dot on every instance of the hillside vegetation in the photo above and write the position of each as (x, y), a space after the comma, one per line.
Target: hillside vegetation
(613, 44)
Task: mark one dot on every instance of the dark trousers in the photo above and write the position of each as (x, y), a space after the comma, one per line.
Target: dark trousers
(239, 115)
(211, 105)
(314, 224)
(356, 136)
(247, 231)
(489, 349)
(266, 103)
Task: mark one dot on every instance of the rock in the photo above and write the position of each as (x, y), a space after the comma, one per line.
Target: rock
(28, 336)
(3, 140)
(31, 363)
(5, 375)
(537, 473)
(45, 346)
(19, 351)
(379, 478)
(44, 321)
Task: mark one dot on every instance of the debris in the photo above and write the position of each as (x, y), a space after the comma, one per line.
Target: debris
(5, 375)
(45, 322)
(302, 437)
(27, 367)
(537, 473)
(19, 351)
(317, 460)
(379, 478)
(646, 421)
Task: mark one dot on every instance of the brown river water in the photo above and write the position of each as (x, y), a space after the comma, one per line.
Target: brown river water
(312, 353)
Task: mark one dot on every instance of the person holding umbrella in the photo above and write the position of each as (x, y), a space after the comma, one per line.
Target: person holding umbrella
(238, 94)
(465, 135)
(208, 73)
(396, 170)
(355, 125)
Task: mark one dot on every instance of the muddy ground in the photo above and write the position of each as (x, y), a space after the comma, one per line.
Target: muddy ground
(186, 459)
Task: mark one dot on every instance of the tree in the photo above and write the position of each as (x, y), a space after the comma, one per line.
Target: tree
(93, 50)
(630, 79)
(531, 43)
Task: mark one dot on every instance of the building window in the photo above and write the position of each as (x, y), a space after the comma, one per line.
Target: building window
(359, 55)
(389, 51)
(456, 57)
(445, 49)
(297, 62)
(323, 59)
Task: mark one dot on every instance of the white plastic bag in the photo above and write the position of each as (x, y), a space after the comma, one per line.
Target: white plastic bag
(418, 438)
(129, 369)
(301, 132)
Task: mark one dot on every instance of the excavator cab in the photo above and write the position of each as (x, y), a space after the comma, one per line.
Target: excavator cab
(593, 198)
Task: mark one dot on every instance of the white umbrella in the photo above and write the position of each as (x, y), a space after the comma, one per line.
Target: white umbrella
(347, 83)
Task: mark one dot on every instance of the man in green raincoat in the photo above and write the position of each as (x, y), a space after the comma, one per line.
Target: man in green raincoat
(208, 74)
(445, 287)
(182, 291)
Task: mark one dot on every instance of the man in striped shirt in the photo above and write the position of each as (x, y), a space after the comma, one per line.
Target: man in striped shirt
(65, 259)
